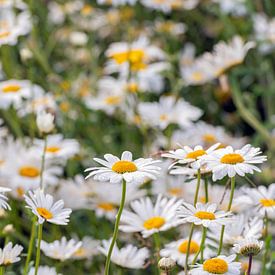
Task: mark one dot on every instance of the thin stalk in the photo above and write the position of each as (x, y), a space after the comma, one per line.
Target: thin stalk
(122, 202)
(37, 260)
(249, 265)
(266, 249)
(188, 249)
(2, 270)
(200, 251)
(206, 189)
(30, 246)
(43, 164)
(197, 187)
(157, 249)
(233, 181)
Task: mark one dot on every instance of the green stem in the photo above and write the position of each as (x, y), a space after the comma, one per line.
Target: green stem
(30, 247)
(122, 202)
(188, 249)
(37, 260)
(2, 270)
(43, 164)
(266, 249)
(233, 180)
(157, 249)
(203, 237)
(197, 187)
(206, 189)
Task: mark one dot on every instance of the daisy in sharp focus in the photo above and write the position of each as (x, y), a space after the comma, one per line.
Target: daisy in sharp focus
(129, 256)
(9, 254)
(203, 214)
(45, 209)
(132, 171)
(60, 250)
(177, 250)
(230, 162)
(149, 218)
(219, 265)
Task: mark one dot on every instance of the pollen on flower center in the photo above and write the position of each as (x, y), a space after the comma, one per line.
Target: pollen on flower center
(124, 166)
(45, 213)
(232, 159)
(267, 202)
(106, 206)
(29, 172)
(204, 215)
(195, 154)
(194, 247)
(133, 56)
(12, 88)
(154, 223)
(215, 266)
(53, 149)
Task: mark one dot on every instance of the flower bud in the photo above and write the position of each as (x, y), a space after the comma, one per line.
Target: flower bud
(166, 264)
(8, 229)
(45, 122)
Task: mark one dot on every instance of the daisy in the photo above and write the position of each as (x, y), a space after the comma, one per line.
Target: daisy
(229, 162)
(203, 214)
(116, 2)
(187, 155)
(248, 246)
(88, 249)
(43, 270)
(60, 250)
(235, 7)
(43, 207)
(167, 111)
(177, 250)
(3, 198)
(129, 256)
(9, 254)
(116, 169)
(149, 218)
(219, 265)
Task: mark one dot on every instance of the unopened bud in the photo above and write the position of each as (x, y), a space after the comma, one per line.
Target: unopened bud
(8, 229)
(166, 264)
(45, 122)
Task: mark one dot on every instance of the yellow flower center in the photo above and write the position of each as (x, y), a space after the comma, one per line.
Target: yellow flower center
(87, 9)
(215, 266)
(4, 34)
(124, 166)
(197, 76)
(232, 159)
(154, 223)
(29, 171)
(20, 191)
(267, 202)
(64, 106)
(175, 191)
(2, 162)
(195, 154)
(106, 206)
(204, 215)
(45, 213)
(194, 247)
(12, 88)
(80, 252)
(208, 138)
(163, 117)
(53, 149)
(7, 262)
(132, 87)
(112, 100)
(133, 56)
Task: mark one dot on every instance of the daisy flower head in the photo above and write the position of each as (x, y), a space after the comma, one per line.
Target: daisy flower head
(60, 250)
(43, 270)
(219, 265)
(187, 155)
(9, 254)
(3, 198)
(229, 162)
(203, 214)
(149, 218)
(88, 249)
(45, 209)
(248, 246)
(125, 168)
(129, 256)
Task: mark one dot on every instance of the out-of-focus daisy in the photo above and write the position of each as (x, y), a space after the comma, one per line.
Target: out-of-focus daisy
(9, 254)
(168, 110)
(203, 214)
(43, 207)
(60, 250)
(43, 270)
(116, 169)
(229, 162)
(149, 218)
(13, 4)
(129, 256)
(219, 265)
(187, 155)
(116, 2)
(177, 250)
(235, 7)
(3, 198)
(88, 249)
(170, 27)
(248, 246)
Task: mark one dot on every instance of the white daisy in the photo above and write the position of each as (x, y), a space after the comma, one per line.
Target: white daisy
(129, 256)
(116, 2)
(235, 7)
(148, 218)
(88, 249)
(60, 250)
(43, 207)
(229, 162)
(9, 254)
(248, 246)
(203, 214)
(219, 265)
(116, 169)
(3, 198)
(43, 270)
(177, 250)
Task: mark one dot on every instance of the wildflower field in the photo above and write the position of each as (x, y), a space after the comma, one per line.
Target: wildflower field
(137, 137)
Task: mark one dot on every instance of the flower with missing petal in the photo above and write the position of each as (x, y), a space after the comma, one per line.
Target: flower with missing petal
(9, 254)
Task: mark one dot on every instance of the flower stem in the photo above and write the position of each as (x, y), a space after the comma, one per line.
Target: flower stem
(249, 265)
(157, 249)
(122, 202)
(30, 247)
(266, 246)
(233, 180)
(203, 237)
(197, 187)
(37, 260)
(188, 248)
(43, 164)
(2, 270)
(206, 189)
